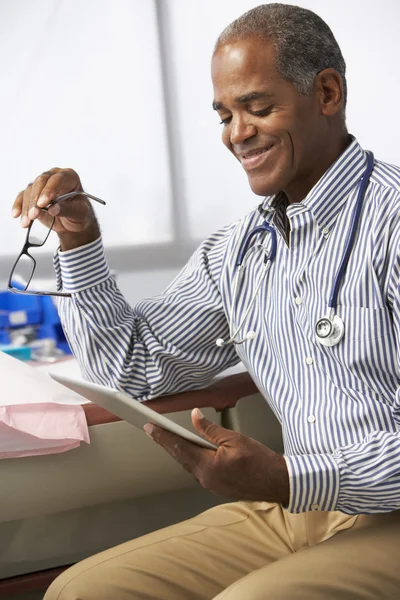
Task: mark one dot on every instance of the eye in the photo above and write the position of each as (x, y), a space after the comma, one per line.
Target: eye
(262, 113)
(225, 121)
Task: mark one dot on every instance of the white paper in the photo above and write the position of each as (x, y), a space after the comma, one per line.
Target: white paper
(21, 383)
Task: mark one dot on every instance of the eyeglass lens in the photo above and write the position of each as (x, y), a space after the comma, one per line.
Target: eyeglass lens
(23, 271)
(25, 266)
(38, 233)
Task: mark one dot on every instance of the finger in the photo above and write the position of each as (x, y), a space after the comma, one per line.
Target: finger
(60, 182)
(37, 188)
(27, 214)
(22, 208)
(25, 220)
(17, 206)
(189, 455)
(210, 431)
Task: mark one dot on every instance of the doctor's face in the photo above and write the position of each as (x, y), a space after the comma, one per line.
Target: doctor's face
(275, 132)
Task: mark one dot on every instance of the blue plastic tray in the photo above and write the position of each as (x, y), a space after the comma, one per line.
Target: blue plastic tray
(17, 310)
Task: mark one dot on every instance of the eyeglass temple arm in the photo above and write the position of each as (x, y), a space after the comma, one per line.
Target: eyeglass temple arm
(71, 195)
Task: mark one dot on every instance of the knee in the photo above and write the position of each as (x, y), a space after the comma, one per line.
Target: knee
(74, 584)
(260, 588)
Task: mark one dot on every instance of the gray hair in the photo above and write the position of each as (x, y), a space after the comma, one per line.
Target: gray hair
(304, 44)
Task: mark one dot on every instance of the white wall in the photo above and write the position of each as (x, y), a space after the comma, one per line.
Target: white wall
(81, 87)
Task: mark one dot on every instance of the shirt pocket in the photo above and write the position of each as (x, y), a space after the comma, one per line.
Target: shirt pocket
(366, 357)
(363, 324)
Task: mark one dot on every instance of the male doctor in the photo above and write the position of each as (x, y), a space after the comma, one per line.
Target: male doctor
(321, 521)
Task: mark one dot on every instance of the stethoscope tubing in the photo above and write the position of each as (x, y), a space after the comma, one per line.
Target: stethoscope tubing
(245, 246)
(332, 303)
(270, 257)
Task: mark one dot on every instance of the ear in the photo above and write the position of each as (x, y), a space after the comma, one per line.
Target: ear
(329, 90)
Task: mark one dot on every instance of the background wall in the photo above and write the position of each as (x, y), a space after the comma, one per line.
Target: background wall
(120, 90)
(82, 86)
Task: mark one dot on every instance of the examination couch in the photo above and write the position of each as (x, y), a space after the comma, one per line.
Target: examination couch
(58, 509)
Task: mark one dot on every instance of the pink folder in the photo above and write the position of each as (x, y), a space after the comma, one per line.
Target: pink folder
(37, 415)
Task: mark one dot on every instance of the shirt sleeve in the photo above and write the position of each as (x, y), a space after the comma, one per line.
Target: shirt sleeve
(363, 477)
(162, 345)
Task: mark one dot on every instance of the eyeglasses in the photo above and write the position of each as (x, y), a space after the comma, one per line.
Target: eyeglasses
(36, 236)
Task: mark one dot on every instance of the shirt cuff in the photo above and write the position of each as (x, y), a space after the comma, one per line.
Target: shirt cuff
(314, 482)
(81, 268)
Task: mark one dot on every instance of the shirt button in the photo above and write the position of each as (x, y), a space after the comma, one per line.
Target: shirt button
(325, 231)
(311, 419)
(309, 360)
(299, 300)
(314, 506)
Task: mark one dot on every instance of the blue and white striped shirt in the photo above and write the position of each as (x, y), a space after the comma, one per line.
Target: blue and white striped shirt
(339, 406)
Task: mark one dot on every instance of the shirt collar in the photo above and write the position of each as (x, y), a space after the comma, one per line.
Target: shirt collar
(328, 196)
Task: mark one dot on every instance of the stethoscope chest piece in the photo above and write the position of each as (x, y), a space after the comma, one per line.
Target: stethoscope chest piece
(329, 331)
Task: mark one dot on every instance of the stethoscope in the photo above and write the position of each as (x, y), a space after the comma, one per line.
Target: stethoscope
(329, 330)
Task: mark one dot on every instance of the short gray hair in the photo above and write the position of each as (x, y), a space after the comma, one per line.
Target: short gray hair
(304, 44)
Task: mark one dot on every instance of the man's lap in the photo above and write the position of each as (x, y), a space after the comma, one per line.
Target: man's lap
(359, 564)
(241, 550)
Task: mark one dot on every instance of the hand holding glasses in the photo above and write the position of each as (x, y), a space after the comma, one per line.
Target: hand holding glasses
(24, 267)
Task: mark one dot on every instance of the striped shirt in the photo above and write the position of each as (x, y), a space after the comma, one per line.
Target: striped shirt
(339, 406)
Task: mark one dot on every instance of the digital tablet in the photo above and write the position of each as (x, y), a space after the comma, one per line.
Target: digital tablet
(128, 409)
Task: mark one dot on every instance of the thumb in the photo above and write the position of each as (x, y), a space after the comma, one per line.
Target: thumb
(209, 430)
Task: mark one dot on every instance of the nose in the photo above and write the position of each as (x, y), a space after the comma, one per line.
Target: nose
(241, 130)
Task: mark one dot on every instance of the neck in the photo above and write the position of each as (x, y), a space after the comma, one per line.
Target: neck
(319, 166)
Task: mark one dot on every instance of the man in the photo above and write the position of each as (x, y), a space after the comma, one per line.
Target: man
(322, 521)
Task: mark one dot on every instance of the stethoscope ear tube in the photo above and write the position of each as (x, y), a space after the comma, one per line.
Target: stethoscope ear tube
(269, 258)
(250, 335)
(245, 246)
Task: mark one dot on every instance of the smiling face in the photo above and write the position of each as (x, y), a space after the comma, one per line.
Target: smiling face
(283, 139)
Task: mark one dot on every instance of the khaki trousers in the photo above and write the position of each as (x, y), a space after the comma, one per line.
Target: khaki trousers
(247, 551)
